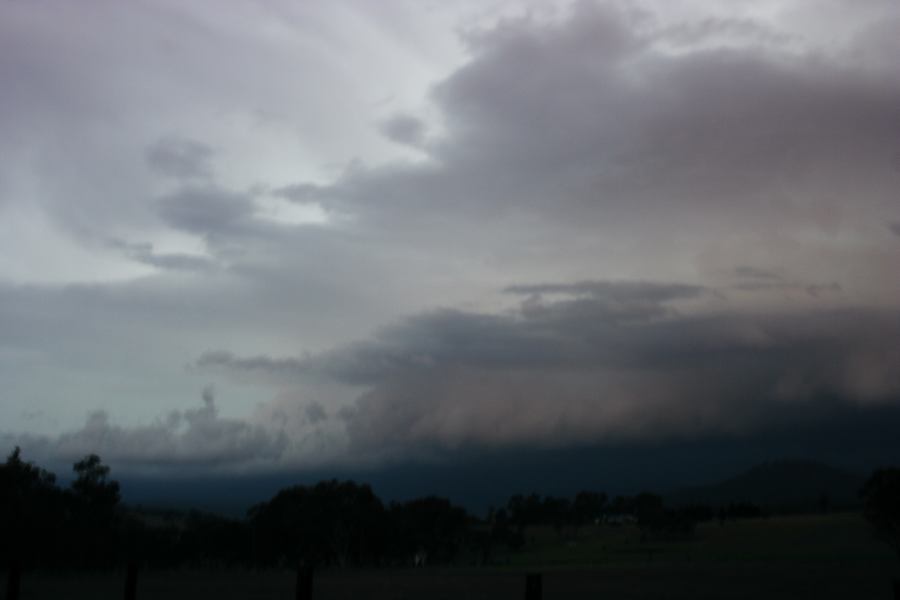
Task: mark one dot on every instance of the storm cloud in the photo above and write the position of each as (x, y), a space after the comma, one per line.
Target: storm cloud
(492, 224)
(570, 371)
(592, 121)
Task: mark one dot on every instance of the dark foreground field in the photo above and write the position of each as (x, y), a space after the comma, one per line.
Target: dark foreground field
(820, 557)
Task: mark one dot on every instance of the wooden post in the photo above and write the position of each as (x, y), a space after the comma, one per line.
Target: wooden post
(131, 581)
(896, 589)
(304, 582)
(533, 586)
(12, 581)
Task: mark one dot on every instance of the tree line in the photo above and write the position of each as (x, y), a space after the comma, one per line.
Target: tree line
(331, 523)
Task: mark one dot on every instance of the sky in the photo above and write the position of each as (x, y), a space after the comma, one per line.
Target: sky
(245, 237)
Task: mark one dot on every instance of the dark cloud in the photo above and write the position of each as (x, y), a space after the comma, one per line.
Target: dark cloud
(180, 158)
(590, 123)
(315, 413)
(570, 371)
(206, 210)
(679, 379)
(405, 129)
(895, 228)
(541, 334)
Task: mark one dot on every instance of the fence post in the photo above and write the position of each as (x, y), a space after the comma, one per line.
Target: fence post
(896, 589)
(131, 581)
(304, 582)
(533, 586)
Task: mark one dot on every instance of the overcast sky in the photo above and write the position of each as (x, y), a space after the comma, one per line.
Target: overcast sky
(255, 235)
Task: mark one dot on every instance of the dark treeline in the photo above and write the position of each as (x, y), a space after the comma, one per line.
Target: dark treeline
(44, 524)
(331, 523)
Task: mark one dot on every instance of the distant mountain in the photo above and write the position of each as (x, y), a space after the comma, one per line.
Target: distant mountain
(787, 485)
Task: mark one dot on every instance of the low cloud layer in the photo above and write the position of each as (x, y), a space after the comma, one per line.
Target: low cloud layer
(591, 362)
(571, 370)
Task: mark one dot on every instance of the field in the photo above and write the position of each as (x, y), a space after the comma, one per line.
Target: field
(821, 557)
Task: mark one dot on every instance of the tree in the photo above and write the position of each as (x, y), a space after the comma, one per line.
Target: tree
(881, 498)
(92, 485)
(330, 523)
(657, 522)
(556, 512)
(94, 500)
(429, 524)
(588, 507)
(525, 510)
(31, 511)
(502, 531)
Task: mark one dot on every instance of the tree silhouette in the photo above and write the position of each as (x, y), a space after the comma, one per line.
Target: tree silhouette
(588, 506)
(94, 499)
(432, 525)
(92, 485)
(31, 511)
(881, 497)
(330, 523)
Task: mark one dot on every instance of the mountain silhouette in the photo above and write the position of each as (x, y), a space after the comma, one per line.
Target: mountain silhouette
(785, 485)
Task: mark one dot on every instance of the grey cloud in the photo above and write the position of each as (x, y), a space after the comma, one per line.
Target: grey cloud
(144, 253)
(175, 261)
(192, 437)
(303, 192)
(315, 413)
(405, 129)
(578, 148)
(624, 292)
(721, 30)
(678, 379)
(206, 210)
(209, 397)
(590, 124)
(283, 367)
(593, 144)
(895, 228)
(755, 273)
(571, 372)
(180, 158)
(814, 290)
(612, 301)
(562, 336)
(540, 334)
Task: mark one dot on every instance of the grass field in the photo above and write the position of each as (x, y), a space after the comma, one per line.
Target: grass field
(817, 557)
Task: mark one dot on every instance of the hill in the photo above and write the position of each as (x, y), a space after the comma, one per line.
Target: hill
(782, 486)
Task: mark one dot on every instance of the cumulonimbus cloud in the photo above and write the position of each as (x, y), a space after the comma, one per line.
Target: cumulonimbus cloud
(753, 170)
